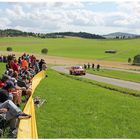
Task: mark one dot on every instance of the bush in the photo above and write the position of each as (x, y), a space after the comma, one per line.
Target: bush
(44, 51)
(136, 60)
(129, 60)
(9, 49)
(110, 51)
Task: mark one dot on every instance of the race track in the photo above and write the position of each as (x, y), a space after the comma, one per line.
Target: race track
(117, 82)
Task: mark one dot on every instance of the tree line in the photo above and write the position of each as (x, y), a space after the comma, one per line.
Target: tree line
(16, 33)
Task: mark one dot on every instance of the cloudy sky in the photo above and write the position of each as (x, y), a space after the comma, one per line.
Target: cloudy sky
(93, 17)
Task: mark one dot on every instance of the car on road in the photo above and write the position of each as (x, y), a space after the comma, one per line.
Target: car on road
(77, 70)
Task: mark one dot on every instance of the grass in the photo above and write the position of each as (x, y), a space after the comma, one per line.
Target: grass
(77, 109)
(129, 76)
(75, 47)
(2, 68)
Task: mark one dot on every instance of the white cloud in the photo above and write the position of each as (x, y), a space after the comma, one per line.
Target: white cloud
(129, 11)
(4, 22)
(71, 16)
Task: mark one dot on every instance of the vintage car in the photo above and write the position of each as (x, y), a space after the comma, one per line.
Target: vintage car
(77, 70)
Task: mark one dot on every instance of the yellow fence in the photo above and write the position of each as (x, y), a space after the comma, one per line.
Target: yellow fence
(27, 127)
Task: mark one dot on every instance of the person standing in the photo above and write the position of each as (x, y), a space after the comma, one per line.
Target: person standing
(88, 66)
(93, 66)
(85, 66)
(98, 67)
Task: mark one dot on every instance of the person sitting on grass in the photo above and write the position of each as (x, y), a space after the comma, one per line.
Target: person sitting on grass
(3, 80)
(11, 113)
(26, 87)
(12, 92)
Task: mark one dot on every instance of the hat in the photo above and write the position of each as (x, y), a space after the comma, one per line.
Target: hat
(9, 85)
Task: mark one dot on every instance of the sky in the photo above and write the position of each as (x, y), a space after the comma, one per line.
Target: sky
(97, 17)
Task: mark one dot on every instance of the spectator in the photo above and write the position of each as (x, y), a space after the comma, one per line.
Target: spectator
(15, 66)
(92, 66)
(85, 66)
(41, 63)
(12, 92)
(10, 112)
(98, 67)
(44, 66)
(3, 80)
(24, 64)
(88, 66)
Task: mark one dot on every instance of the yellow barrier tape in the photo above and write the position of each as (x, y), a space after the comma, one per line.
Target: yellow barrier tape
(27, 127)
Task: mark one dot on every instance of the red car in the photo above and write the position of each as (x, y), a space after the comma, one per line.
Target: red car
(77, 70)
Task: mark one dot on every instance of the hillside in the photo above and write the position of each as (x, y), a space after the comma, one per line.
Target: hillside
(75, 48)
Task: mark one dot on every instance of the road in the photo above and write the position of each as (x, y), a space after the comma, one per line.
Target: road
(117, 82)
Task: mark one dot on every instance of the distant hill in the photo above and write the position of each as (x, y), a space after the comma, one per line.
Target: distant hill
(77, 34)
(121, 35)
(14, 33)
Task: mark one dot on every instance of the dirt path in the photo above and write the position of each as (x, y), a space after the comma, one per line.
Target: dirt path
(112, 81)
(71, 61)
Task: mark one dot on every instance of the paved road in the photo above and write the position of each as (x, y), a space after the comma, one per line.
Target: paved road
(117, 82)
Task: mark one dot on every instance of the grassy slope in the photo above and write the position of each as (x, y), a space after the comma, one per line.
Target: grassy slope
(75, 109)
(129, 76)
(75, 47)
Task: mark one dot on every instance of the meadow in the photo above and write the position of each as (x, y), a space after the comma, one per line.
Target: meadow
(2, 68)
(75, 47)
(128, 76)
(77, 109)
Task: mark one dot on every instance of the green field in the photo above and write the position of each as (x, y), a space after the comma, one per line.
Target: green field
(2, 68)
(78, 109)
(75, 47)
(129, 76)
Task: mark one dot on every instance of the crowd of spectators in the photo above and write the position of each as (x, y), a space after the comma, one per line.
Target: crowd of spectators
(15, 85)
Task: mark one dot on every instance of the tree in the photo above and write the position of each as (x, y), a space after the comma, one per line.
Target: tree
(44, 51)
(129, 60)
(136, 60)
(9, 49)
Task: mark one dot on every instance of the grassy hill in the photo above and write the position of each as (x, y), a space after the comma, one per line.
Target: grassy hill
(75, 47)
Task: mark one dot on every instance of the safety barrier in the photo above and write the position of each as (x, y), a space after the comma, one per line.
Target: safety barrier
(27, 127)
